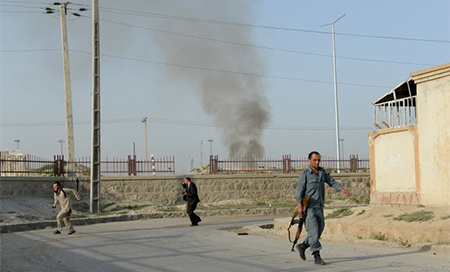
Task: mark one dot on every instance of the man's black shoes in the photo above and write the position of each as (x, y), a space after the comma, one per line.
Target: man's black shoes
(317, 259)
(301, 248)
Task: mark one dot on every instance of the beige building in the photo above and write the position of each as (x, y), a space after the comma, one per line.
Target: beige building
(410, 146)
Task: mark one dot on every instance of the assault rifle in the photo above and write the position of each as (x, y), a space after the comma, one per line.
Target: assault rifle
(300, 222)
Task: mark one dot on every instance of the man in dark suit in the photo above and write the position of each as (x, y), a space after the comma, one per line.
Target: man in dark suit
(191, 196)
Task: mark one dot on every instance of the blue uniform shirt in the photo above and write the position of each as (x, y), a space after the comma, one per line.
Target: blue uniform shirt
(314, 186)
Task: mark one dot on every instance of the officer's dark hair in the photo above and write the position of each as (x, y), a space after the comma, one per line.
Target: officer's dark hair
(188, 178)
(311, 153)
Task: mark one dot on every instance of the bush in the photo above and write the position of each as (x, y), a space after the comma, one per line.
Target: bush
(379, 236)
(339, 213)
(420, 216)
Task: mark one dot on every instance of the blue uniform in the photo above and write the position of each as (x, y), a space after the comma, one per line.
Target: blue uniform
(313, 186)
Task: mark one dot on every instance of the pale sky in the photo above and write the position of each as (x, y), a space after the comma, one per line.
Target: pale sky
(294, 71)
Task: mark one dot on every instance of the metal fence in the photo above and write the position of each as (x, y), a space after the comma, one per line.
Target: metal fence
(28, 165)
(285, 165)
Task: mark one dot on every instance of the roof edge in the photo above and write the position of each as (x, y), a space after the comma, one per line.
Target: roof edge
(430, 70)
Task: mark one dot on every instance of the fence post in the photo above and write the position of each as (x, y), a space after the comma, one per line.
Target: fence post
(153, 165)
(353, 163)
(134, 165)
(213, 164)
(286, 164)
(130, 165)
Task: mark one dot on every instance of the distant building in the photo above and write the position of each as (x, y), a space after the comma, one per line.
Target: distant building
(12, 163)
(410, 145)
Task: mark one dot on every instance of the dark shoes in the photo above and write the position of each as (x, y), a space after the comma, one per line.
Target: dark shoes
(301, 248)
(56, 232)
(71, 232)
(194, 225)
(317, 259)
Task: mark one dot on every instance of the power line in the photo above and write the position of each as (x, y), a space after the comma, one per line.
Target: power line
(199, 20)
(181, 122)
(210, 69)
(260, 46)
(233, 72)
(263, 47)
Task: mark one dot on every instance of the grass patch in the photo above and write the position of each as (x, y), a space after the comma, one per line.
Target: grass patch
(388, 215)
(445, 217)
(11, 212)
(353, 199)
(339, 213)
(122, 212)
(366, 200)
(420, 216)
(135, 207)
(379, 236)
(361, 212)
(421, 206)
(404, 243)
(81, 207)
(104, 206)
(27, 217)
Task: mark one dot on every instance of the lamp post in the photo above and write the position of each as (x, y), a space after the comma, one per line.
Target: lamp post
(336, 112)
(342, 147)
(17, 141)
(61, 142)
(201, 153)
(210, 146)
(144, 121)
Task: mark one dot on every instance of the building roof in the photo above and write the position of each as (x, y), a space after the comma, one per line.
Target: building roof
(408, 87)
(430, 70)
(405, 89)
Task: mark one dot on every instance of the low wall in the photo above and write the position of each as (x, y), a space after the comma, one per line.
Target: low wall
(167, 190)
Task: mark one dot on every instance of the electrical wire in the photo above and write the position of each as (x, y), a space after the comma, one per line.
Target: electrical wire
(183, 122)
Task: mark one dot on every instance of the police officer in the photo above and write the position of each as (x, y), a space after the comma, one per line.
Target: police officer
(312, 183)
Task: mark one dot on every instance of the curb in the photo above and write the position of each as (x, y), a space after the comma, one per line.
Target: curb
(10, 228)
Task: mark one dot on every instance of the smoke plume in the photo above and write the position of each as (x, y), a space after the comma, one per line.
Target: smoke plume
(237, 103)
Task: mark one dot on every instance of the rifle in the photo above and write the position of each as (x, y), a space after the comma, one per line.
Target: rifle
(300, 222)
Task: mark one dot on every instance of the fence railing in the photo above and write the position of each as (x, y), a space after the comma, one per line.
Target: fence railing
(285, 165)
(27, 165)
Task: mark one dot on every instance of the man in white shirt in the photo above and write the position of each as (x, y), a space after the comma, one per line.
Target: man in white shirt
(62, 196)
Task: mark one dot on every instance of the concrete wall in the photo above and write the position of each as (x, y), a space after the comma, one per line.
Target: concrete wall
(433, 110)
(394, 159)
(394, 166)
(411, 165)
(167, 190)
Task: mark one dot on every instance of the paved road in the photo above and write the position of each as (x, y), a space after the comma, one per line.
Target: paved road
(171, 245)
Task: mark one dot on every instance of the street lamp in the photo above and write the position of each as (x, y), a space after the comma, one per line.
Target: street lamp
(336, 112)
(17, 141)
(61, 142)
(342, 147)
(210, 146)
(201, 153)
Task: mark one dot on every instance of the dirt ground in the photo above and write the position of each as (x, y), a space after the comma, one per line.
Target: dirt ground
(376, 226)
(367, 224)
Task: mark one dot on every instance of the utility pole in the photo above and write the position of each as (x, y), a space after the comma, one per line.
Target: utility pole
(17, 142)
(201, 153)
(146, 143)
(342, 142)
(95, 129)
(210, 146)
(61, 142)
(336, 112)
(67, 90)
